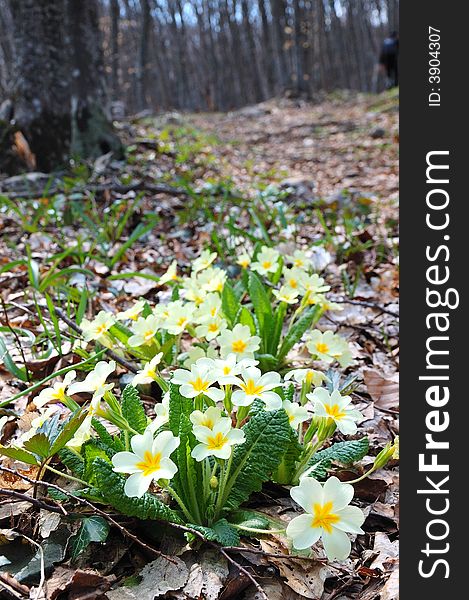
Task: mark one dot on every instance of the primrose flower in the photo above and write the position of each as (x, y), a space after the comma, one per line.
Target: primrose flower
(244, 260)
(212, 279)
(204, 261)
(299, 260)
(217, 441)
(149, 372)
(266, 261)
(197, 381)
(225, 370)
(170, 275)
(148, 462)
(196, 352)
(328, 516)
(314, 284)
(193, 292)
(56, 392)
(286, 294)
(144, 331)
(209, 418)
(211, 329)
(293, 279)
(98, 327)
(44, 415)
(238, 341)
(255, 385)
(162, 414)
(328, 347)
(324, 303)
(336, 407)
(179, 318)
(310, 376)
(131, 313)
(296, 414)
(209, 309)
(95, 381)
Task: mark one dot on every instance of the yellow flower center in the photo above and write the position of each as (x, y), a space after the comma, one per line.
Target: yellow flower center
(148, 335)
(298, 262)
(267, 264)
(309, 376)
(59, 393)
(182, 321)
(206, 422)
(293, 283)
(151, 373)
(244, 263)
(134, 316)
(213, 311)
(324, 517)
(150, 463)
(101, 329)
(213, 327)
(219, 286)
(226, 370)
(334, 411)
(251, 388)
(322, 348)
(239, 346)
(216, 442)
(291, 417)
(199, 385)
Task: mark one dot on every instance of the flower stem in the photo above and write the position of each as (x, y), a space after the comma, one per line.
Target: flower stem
(49, 468)
(181, 504)
(254, 530)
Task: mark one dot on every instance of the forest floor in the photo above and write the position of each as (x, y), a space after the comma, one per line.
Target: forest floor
(330, 172)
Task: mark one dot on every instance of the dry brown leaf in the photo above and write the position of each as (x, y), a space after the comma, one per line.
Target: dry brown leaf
(390, 590)
(384, 390)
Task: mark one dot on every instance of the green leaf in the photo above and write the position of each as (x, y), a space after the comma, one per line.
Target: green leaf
(111, 486)
(249, 518)
(188, 480)
(230, 303)
(261, 303)
(178, 406)
(73, 461)
(286, 468)
(91, 450)
(68, 430)
(18, 454)
(10, 365)
(92, 529)
(267, 437)
(307, 319)
(107, 439)
(245, 318)
(221, 532)
(345, 453)
(39, 444)
(132, 409)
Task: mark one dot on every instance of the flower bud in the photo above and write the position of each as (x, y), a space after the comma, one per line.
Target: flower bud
(214, 482)
(391, 450)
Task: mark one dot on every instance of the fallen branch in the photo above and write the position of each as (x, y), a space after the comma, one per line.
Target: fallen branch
(367, 305)
(34, 501)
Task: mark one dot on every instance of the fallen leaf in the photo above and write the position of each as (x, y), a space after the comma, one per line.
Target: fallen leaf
(384, 390)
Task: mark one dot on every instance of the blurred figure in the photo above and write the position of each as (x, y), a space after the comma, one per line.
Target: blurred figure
(389, 58)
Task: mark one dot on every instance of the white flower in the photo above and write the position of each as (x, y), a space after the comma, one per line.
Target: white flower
(83, 433)
(255, 385)
(170, 275)
(239, 341)
(162, 414)
(211, 329)
(320, 258)
(148, 462)
(224, 370)
(197, 381)
(212, 279)
(95, 381)
(296, 414)
(209, 418)
(216, 442)
(293, 279)
(310, 376)
(266, 261)
(149, 372)
(328, 347)
(328, 516)
(192, 291)
(300, 260)
(314, 284)
(98, 327)
(195, 353)
(131, 313)
(179, 318)
(336, 407)
(144, 331)
(244, 260)
(209, 309)
(44, 415)
(324, 303)
(204, 261)
(57, 392)
(286, 294)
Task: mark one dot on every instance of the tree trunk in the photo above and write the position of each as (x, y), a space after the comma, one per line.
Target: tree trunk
(145, 20)
(114, 45)
(59, 96)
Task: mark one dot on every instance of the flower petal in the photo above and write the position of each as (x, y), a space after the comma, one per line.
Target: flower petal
(125, 462)
(351, 519)
(142, 442)
(307, 493)
(272, 400)
(166, 443)
(200, 452)
(336, 544)
(302, 533)
(136, 485)
(340, 494)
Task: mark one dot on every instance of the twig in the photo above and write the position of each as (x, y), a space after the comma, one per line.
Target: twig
(244, 571)
(124, 363)
(272, 554)
(34, 501)
(118, 188)
(367, 305)
(94, 508)
(13, 587)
